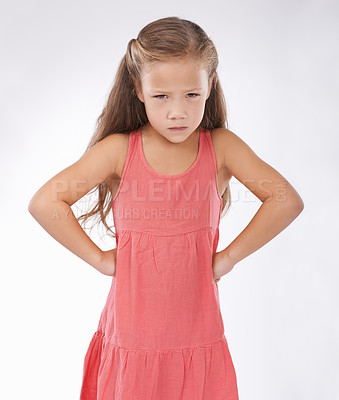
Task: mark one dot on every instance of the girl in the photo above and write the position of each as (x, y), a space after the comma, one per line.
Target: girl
(163, 157)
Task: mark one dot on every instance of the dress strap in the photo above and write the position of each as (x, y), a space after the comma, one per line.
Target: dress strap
(211, 151)
(130, 155)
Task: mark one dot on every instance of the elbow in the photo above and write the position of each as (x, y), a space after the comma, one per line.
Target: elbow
(301, 205)
(296, 206)
(34, 205)
(293, 205)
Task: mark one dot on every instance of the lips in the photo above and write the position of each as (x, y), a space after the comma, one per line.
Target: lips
(178, 127)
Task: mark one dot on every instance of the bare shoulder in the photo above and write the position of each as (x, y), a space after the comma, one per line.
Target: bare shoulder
(222, 139)
(115, 148)
(100, 163)
(242, 162)
(232, 150)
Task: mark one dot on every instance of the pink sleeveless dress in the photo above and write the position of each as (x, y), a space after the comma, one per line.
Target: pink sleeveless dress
(161, 333)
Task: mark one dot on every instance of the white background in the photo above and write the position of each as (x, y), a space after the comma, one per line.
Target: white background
(280, 74)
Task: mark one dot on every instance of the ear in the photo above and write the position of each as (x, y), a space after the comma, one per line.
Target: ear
(137, 90)
(209, 86)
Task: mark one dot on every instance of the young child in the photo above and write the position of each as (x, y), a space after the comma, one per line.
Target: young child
(163, 157)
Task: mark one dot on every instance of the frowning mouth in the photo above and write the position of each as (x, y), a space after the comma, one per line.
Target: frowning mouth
(178, 128)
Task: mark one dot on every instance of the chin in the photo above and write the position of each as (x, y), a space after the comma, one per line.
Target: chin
(177, 138)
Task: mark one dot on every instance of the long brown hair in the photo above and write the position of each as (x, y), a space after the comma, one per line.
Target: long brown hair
(160, 40)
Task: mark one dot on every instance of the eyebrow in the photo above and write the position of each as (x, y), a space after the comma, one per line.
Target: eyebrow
(162, 91)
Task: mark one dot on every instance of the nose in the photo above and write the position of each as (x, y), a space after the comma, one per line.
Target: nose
(176, 111)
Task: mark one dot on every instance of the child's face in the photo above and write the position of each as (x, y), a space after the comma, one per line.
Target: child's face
(174, 94)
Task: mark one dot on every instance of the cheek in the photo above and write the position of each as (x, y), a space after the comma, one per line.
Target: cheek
(154, 107)
(196, 106)
(154, 111)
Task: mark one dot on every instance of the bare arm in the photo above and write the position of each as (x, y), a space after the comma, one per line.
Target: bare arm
(281, 202)
(51, 204)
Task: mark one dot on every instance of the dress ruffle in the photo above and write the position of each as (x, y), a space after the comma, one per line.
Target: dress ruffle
(203, 372)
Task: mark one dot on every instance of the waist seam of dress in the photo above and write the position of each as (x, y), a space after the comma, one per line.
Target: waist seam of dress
(222, 339)
(172, 234)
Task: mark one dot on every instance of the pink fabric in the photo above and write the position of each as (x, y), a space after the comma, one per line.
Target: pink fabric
(161, 333)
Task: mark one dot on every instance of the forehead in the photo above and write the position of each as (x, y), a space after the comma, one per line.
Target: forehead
(174, 73)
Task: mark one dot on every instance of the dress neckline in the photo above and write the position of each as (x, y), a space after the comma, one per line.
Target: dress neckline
(148, 167)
